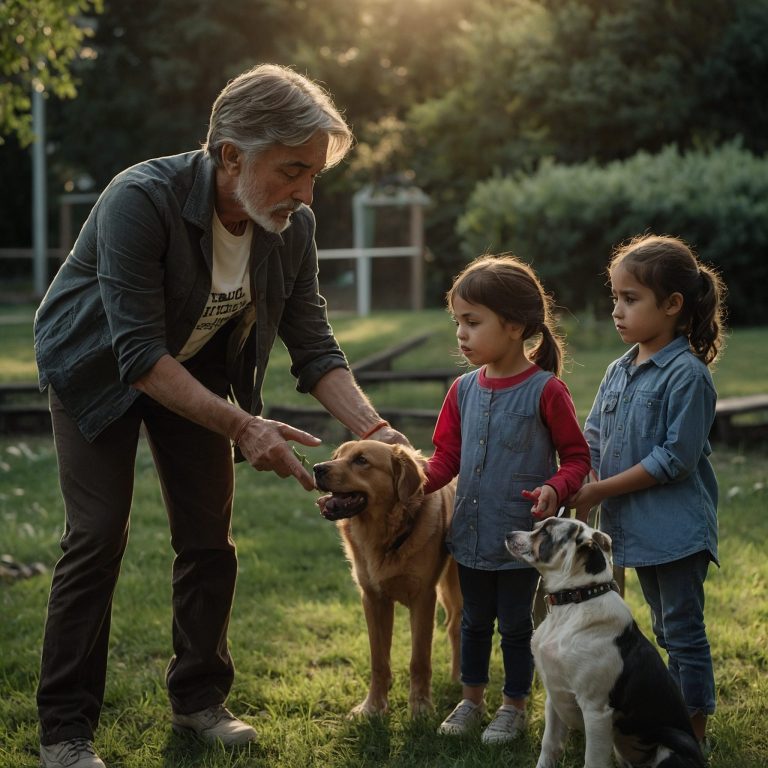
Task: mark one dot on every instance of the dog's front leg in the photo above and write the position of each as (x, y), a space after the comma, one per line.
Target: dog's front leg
(379, 616)
(598, 733)
(422, 627)
(555, 736)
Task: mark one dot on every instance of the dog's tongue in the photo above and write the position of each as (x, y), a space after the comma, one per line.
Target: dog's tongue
(336, 506)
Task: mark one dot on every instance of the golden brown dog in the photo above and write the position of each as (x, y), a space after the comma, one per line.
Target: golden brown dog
(393, 537)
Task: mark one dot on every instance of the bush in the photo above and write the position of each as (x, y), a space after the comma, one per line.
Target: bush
(565, 220)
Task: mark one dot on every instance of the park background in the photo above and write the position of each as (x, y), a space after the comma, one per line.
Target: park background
(554, 129)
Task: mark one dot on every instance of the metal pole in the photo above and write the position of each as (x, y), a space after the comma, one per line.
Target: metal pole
(39, 194)
(360, 238)
(417, 260)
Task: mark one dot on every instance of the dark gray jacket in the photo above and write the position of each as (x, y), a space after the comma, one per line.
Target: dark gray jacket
(137, 280)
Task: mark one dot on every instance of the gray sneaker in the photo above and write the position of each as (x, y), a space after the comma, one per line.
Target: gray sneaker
(465, 717)
(215, 723)
(505, 726)
(73, 753)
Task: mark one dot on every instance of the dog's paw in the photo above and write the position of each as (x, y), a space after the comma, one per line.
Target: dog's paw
(368, 709)
(422, 707)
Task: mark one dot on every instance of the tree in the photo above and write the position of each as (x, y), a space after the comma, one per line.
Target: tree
(566, 219)
(587, 80)
(39, 41)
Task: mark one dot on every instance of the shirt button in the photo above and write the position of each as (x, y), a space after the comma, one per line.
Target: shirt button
(477, 470)
(482, 442)
(474, 501)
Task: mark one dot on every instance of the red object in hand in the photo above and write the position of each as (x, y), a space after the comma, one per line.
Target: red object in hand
(532, 496)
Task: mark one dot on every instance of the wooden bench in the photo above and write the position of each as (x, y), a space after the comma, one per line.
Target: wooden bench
(444, 375)
(376, 368)
(382, 361)
(23, 409)
(318, 419)
(731, 427)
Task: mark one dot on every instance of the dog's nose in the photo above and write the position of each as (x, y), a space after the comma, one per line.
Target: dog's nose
(320, 470)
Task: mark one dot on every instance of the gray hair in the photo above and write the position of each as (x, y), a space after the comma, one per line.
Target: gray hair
(270, 105)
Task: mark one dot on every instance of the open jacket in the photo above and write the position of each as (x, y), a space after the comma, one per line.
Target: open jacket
(136, 282)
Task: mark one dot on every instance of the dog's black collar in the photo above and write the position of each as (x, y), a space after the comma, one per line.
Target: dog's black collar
(400, 540)
(581, 594)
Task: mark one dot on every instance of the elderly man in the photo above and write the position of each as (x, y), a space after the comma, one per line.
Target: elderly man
(163, 316)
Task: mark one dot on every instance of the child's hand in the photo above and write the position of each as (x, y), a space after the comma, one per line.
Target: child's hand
(546, 501)
(586, 498)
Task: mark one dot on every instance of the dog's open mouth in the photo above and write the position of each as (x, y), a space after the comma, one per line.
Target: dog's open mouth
(336, 506)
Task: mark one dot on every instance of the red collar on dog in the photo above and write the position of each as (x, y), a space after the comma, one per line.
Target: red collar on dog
(581, 594)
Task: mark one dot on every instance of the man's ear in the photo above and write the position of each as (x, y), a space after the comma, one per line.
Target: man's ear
(673, 304)
(230, 159)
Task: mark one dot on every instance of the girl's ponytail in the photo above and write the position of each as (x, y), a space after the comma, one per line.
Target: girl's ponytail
(707, 320)
(548, 353)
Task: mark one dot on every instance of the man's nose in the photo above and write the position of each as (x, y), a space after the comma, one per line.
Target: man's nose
(304, 190)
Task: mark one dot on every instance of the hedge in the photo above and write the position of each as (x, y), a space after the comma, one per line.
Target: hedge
(566, 220)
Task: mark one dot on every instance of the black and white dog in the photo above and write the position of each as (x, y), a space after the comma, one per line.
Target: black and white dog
(601, 674)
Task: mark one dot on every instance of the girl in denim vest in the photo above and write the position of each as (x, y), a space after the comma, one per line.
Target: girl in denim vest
(648, 435)
(502, 429)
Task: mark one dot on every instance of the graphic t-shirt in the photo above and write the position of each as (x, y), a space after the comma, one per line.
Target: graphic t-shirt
(230, 286)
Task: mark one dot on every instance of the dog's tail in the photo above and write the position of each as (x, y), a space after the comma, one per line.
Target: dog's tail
(683, 748)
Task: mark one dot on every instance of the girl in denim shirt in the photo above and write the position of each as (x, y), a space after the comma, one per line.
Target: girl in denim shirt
(501, 429)
(648, 435)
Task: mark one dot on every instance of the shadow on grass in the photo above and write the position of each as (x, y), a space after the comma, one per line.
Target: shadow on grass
(414, 743)
(182, 751)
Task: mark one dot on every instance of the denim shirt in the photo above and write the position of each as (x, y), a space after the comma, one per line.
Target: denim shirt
(136, 283)
(658, 414)
(505, 448)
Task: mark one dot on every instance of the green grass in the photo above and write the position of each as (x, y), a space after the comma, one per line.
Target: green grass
(298, 634)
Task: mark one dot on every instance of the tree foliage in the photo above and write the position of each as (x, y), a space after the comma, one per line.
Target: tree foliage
(448, 94)
(39, 42)
(566, 220)
(578, 81)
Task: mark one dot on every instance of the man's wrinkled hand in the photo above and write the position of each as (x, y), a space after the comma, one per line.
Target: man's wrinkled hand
(264, 446)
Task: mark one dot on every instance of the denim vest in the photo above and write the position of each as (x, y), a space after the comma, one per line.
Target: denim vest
(505, 448)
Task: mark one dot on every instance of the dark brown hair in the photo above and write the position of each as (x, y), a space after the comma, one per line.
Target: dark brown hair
(510, 288)
(667, 265)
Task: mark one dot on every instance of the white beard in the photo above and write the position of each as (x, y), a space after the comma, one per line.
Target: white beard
(252, 202)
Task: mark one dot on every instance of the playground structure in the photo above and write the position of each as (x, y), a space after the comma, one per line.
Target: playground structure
(365, 203)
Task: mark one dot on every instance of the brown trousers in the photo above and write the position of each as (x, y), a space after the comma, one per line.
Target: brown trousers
(197, 479)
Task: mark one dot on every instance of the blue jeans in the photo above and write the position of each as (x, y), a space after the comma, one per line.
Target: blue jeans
(507, 596)
(675, 593)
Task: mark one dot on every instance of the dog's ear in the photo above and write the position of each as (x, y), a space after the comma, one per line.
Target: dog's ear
(407, 474)
(603, 540)
(595, 560)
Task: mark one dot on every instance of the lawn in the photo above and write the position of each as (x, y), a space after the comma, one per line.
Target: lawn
(298, 635)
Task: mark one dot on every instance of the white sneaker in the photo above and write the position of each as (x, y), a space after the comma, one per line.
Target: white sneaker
(215, 723)
(505, 726)
(465, 717)
(73, 753)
